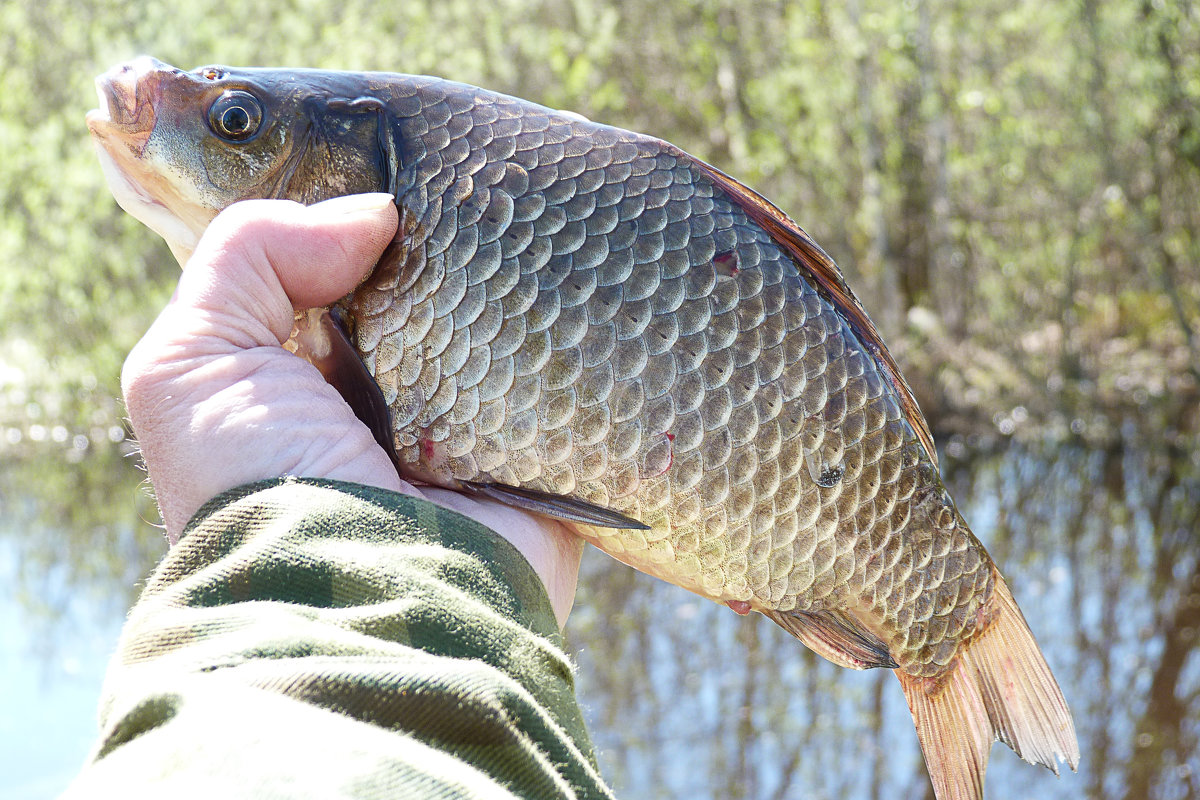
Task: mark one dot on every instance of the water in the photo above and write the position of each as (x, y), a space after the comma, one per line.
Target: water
(685, 698)
(52, 670)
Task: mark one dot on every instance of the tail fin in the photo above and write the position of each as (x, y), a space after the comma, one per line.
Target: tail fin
(998, 688)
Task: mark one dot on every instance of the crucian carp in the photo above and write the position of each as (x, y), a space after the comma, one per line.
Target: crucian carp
(589, 323)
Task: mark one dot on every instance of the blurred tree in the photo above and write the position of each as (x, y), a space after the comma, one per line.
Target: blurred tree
(1021, 174)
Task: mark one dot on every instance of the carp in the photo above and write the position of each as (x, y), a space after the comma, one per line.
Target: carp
(589, 323)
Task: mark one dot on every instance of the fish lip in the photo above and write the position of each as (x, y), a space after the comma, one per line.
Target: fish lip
(128, 94)
(122, 128)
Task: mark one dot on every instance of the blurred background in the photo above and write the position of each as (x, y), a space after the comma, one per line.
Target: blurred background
(1009, 185)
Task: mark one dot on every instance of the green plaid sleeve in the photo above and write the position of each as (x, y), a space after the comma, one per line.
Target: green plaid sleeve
(312, 638)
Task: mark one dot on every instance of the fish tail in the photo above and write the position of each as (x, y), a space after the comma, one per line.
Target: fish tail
(998, 687)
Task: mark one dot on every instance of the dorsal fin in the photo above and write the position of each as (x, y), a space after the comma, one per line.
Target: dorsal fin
(824, 273)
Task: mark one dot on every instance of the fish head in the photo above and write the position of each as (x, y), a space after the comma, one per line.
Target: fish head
(177, 147)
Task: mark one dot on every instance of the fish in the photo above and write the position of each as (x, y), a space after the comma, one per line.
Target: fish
(589, 323)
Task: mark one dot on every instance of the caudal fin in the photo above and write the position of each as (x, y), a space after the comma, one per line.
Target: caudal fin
(999, 688)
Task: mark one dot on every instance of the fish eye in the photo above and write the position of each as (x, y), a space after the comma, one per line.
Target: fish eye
(235, 116)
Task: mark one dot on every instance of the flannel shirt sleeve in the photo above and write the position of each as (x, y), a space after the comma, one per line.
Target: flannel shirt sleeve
(310, 638)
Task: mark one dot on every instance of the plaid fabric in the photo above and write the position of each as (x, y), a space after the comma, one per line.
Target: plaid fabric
(320, 639)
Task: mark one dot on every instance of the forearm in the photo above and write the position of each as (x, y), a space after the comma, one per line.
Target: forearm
(313, 638)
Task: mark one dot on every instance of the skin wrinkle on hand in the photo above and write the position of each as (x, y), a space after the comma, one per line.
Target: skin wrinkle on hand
(216, 401)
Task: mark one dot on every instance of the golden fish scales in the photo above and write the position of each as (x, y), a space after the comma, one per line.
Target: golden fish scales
(591, 323)
(631, 337)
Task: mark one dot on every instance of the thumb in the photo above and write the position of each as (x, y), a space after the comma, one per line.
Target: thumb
(214, 400)
(261, 259)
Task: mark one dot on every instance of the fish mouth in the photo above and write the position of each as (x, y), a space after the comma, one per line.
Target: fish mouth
(130, 96)
(127, 95)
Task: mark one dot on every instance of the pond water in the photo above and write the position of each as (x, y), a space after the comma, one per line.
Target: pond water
(685, 699)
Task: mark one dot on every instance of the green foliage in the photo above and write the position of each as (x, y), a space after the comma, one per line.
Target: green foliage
(1010, 187)
(1000, 164)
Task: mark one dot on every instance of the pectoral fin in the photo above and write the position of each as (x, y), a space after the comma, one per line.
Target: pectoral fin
(323, 342)
(555, 505)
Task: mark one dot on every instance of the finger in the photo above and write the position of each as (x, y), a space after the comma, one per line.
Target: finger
(234, 293)
(214, 400)
(261, 259)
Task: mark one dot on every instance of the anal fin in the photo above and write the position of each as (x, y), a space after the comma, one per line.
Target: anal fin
(835, 636)
(561, 506)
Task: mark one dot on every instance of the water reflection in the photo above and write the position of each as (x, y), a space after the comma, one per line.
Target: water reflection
(686, 699)
(77, 528)
(73, 552)
(1100, 547)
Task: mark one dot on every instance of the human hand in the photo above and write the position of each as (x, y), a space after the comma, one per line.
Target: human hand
(216, 402)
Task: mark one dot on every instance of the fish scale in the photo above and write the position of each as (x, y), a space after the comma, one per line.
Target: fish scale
(590, 323)
(747, 363)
